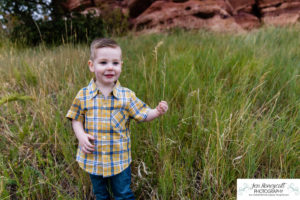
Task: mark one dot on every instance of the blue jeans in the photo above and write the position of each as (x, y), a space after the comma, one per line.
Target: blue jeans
(120, 186)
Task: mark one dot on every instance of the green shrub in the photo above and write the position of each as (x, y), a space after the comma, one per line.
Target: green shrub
(115, 22)
(79, 28)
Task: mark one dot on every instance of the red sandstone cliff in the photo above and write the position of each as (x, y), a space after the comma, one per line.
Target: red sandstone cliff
(219, 15)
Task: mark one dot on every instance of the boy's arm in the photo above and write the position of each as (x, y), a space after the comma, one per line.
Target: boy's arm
(160, 109)
(83, 138)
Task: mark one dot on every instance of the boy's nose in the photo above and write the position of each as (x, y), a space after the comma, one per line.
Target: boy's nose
(110, 66)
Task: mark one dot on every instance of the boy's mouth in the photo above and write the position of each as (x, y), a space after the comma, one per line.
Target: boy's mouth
(109, 75)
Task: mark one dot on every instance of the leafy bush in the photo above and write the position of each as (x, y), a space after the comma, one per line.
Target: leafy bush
(115, 22)
(78, 28)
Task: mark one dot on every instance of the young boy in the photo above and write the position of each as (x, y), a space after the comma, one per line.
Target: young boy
(100, 116)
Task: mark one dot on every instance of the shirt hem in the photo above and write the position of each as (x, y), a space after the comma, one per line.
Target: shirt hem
(100, 174)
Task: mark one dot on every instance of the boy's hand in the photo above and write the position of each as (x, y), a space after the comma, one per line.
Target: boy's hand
(84, 139)
(85, 143)
(162, 107)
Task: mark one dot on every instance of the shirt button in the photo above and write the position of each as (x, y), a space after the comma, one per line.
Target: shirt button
(104, 137)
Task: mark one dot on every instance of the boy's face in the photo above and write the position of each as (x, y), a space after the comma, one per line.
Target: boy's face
(107, 65)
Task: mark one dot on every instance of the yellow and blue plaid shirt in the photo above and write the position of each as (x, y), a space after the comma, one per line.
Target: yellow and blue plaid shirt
(107, 119)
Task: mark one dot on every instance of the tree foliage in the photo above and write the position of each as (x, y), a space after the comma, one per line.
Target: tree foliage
(35, 21)
(25, 11)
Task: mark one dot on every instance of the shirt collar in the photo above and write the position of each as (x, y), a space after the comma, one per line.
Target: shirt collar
(93, 90)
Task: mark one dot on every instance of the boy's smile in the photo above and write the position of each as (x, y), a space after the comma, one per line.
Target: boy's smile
(107, 66)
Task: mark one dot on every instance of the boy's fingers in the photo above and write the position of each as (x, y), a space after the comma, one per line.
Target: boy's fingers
(84, 150)
(160, 109)
(89, 148)
(89, 144)
(164, 107)
(164, 102)
(91, 137)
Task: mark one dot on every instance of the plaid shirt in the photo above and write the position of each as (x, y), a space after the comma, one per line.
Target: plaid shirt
(107, 119)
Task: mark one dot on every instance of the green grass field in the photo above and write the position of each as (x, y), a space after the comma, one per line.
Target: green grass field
(233, 113)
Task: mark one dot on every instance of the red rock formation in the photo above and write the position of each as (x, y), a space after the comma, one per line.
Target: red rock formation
(269, 3)
(219, 15)
(190, 15)
(280, 13)
(240, 5)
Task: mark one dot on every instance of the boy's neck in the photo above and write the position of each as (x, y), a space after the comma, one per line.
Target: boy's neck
(105, 89)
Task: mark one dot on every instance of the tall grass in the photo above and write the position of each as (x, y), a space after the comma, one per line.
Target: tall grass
(233, 113)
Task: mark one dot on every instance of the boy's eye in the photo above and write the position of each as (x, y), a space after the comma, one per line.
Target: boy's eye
(115, 63)
(103, 62)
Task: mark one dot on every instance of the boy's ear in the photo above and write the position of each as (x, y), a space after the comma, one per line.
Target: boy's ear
(91, 65)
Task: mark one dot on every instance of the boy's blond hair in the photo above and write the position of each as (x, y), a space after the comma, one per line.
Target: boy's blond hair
(101, 43)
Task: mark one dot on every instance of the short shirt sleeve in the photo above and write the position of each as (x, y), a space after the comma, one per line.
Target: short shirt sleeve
(76, 111)
(138, 110)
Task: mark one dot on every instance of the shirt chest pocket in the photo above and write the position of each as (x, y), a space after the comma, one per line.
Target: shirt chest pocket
(118, 119)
